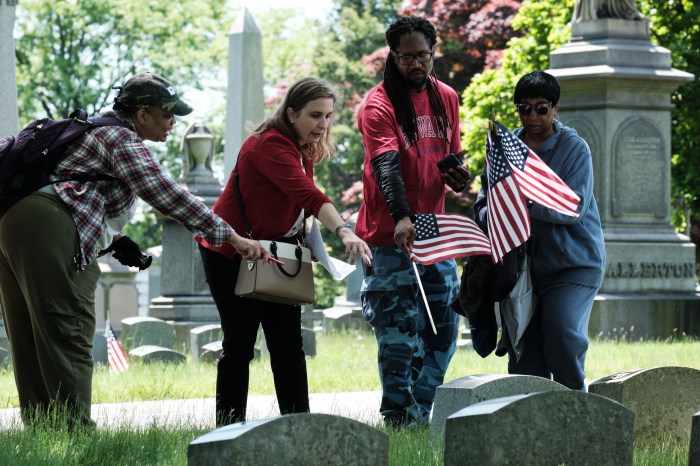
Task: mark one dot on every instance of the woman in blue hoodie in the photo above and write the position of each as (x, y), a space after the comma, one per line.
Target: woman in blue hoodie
(569, 258)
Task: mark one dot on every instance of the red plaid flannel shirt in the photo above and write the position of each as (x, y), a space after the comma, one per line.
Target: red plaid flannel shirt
(120, 153)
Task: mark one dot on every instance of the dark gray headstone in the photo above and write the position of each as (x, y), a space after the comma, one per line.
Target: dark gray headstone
(557, 427)
(212, 351)
(663, 399)
(152, 353)
(466, 391)
(342, 318)
(308, 342)
(5, 357)
(202, 335)
(311, 318)
(295, 439)
(140, 331)
(99, 349)
(694, 450)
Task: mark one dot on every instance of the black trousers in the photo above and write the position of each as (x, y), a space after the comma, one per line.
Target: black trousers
(240, 320)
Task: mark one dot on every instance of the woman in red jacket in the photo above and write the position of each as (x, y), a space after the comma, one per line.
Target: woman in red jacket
(275, 172)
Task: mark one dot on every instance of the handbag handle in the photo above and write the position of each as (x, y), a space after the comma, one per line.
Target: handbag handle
(297, 253)
(248, 230)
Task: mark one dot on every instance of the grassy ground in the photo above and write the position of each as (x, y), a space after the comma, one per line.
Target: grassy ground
(345, 362)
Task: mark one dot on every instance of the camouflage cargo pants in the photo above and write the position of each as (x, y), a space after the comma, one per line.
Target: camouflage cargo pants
(412, 360)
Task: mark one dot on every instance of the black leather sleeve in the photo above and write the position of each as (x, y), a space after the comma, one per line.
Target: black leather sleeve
(387, 172)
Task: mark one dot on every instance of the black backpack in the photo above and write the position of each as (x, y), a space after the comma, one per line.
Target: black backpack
(27, 159)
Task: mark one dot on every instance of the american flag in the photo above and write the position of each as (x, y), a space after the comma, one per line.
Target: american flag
(508, 219)
(534, 178)
(115, 353)
(446, 236)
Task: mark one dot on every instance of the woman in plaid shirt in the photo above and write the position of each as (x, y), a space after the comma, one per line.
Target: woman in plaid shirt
(49, 241)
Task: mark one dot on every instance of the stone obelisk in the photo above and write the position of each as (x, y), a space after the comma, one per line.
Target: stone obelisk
(244, 97)
(9, 120)
(616, 92)
(9, 117)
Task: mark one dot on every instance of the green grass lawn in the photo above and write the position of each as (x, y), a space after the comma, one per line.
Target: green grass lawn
(344, 362)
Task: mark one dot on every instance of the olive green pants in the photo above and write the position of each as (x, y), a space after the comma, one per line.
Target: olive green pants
(49, 309)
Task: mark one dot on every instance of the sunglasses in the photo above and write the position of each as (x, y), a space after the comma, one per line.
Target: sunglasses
(540, 109)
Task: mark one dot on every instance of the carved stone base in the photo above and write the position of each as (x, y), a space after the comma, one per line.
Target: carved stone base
(184, 308)
(610, 28)
(649, 267)
(645, 316)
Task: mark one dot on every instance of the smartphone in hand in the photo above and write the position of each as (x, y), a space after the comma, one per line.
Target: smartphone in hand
(451, 161)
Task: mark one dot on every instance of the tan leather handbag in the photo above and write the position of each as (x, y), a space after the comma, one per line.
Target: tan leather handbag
(291, 283)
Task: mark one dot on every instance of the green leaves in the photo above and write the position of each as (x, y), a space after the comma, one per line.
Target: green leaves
(70, 53)
(545, 28)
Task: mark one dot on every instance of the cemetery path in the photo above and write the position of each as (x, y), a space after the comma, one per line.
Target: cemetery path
(199, 412)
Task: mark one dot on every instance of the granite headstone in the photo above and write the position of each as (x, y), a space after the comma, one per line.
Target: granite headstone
(295, 439)
(663, 399)
(139, 331)
(152, 353)
(556, 427)
(466, 391)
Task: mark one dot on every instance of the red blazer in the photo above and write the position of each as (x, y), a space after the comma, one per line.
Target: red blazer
(274, 187)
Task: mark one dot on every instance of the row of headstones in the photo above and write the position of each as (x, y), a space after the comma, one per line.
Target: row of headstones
(490, 420)
(149, 339)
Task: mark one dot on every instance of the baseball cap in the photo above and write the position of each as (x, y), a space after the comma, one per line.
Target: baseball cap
(146, 89)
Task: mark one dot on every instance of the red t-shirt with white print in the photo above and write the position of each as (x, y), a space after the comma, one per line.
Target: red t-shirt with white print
(422, 179)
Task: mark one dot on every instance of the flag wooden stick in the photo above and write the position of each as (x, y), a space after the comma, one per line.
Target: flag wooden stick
(425, 300)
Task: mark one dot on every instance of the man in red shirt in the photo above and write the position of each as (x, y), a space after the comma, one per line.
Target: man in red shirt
(408, 123)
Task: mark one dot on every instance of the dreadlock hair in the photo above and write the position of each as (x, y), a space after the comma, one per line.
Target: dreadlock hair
(299, 94)
(396, 86)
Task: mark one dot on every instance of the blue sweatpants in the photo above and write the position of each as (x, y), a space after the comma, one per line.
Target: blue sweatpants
(556, 340)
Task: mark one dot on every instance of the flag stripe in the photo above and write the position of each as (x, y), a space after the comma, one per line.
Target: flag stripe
(547, 185)
(544, 190)
(508, 219)
(441, 237)
(534, 177)
(116, 356)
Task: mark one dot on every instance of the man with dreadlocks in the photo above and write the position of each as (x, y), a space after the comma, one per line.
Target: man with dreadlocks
(408, 123)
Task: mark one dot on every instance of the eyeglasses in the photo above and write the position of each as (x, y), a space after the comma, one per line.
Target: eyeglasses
(408, 58)
(540, 109)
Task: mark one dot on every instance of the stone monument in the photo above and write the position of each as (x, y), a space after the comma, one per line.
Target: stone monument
(9, 120)
(244, 97)
(615, 91)
(185, 297)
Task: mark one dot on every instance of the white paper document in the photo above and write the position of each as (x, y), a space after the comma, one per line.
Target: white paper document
(337, 268)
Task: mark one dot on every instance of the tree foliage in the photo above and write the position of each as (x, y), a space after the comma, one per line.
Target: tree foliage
(545, 25)
(70, 53)
(471, 34)
(355, 29)
(674, 25)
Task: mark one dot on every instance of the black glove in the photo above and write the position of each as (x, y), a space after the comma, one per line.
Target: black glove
(128, 253)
